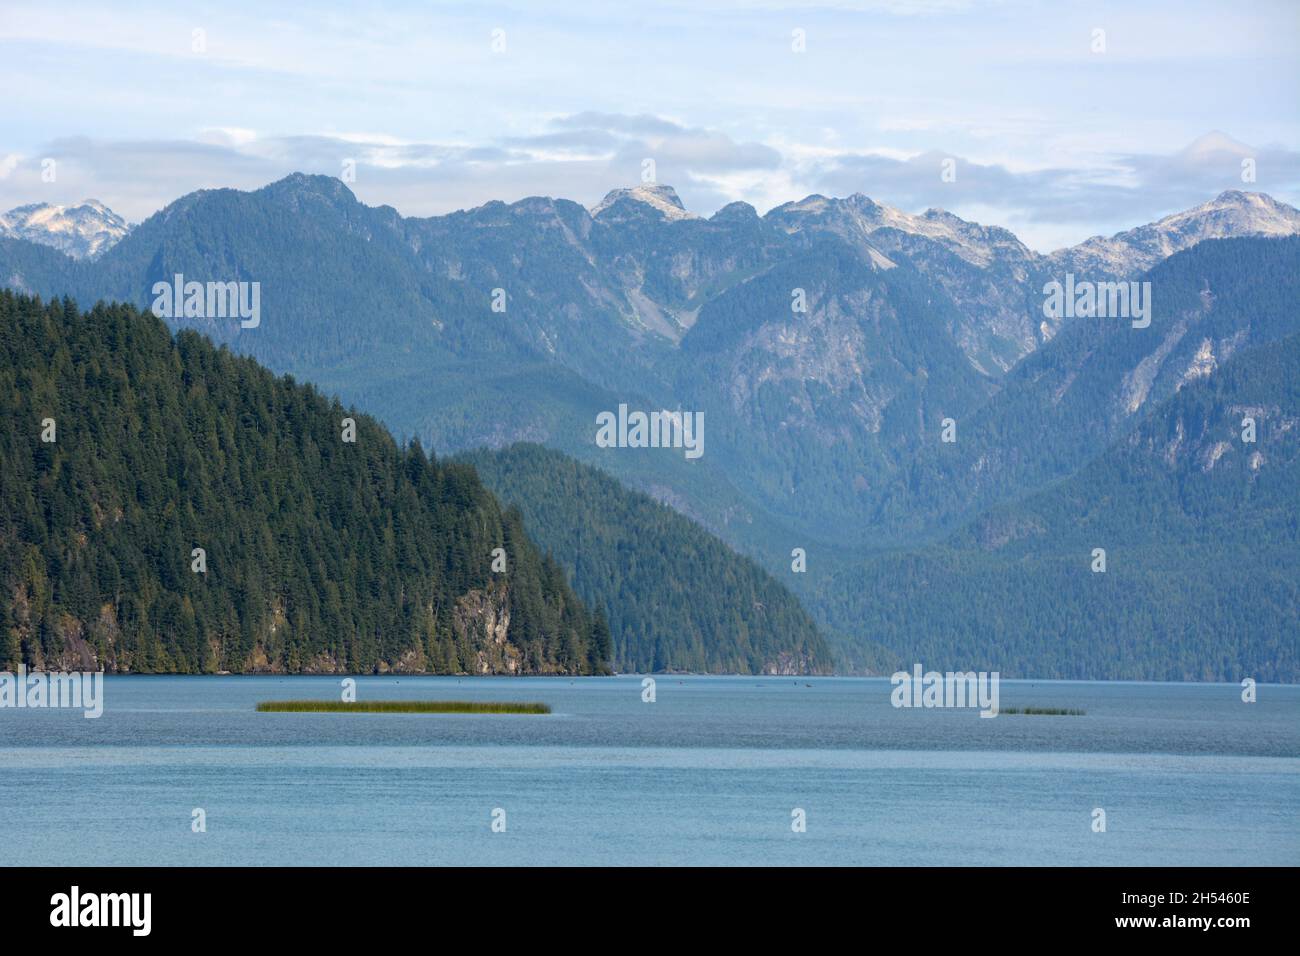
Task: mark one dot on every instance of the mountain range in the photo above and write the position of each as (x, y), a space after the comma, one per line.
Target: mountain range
(830, 344)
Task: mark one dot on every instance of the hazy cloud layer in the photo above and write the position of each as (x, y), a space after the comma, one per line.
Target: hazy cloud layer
(581, 157)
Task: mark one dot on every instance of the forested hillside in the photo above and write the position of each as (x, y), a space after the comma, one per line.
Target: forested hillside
(125, 451)
(676, 596)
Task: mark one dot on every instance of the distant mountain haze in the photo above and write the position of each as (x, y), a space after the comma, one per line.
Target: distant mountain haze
(1196, 527)
(826, 343)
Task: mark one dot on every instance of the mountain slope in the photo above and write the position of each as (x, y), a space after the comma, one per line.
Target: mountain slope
(319, 554)
(1097, 380)
(811, 413)
(985, 271)
(676, 597)
(1202, 538)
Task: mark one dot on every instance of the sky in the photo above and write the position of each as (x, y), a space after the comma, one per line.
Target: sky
(1060, 120)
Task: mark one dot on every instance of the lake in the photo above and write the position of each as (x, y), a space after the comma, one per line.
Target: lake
(710, 773)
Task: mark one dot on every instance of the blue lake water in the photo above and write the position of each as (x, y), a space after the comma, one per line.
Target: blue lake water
(707, 774)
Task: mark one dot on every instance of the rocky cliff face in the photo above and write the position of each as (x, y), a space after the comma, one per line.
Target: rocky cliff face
(482, 616)
(481, 619)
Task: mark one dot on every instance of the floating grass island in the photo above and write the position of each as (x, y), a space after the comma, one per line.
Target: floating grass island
(400, 707)
(1043, 711)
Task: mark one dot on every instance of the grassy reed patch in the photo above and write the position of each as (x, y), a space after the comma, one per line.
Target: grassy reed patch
(400, 707)
(1043, 711)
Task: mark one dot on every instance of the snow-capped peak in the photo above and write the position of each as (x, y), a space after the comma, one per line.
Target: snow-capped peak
(1231, 213)
(83, 231)
(663, 199)
(1235, 213)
